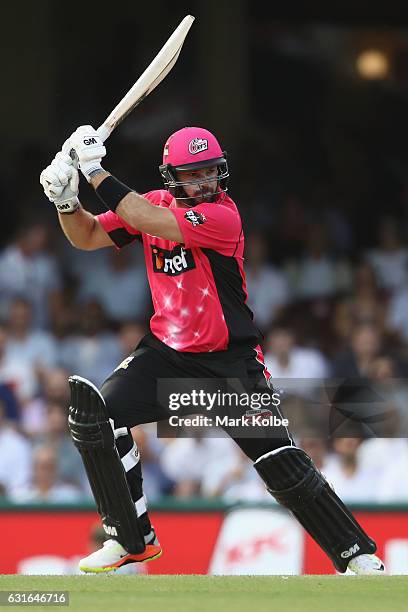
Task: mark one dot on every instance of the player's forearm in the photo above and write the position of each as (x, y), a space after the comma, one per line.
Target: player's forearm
(139, 213)
(78, 227)
(133, 208)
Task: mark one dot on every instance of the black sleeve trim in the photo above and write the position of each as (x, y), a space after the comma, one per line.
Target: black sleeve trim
(121, 237)
(238, 241)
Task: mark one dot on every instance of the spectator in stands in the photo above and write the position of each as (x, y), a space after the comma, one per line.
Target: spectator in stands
(26, 343)
(316, 448)
(338, 223)
(70, 468)
(155, 481)
(15, 457)
(366, 304)
(95, 350)
(78, 265)
(367, 387)
(130, 334)
(233, 479)
(185, 460)
(393, 389)
(388, 457)
(385, 455)
(352, 480)
(64, 322)
(357, 359)
(267, 287)
(117, 278)
(10, 403)
(397, 316)
(17, 374)
(45, 485)
(390, 258)
(286, 360)
(291, 225)
(54, 390)
(318, 274)
(26, 268)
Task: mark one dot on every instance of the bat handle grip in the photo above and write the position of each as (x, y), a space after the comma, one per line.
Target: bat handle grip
(71, 153)
(74, 157)
(104, 132)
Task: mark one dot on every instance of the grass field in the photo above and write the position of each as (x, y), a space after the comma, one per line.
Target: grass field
(221, 593)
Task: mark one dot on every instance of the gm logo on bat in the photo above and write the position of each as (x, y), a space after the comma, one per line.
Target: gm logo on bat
(89, 141)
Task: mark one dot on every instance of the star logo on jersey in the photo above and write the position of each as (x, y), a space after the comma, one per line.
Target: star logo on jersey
(195, 218)
(174, 262)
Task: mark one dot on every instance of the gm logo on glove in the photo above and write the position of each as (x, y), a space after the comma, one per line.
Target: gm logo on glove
(90, 141)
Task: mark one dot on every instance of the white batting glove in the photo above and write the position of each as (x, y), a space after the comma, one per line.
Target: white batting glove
(89, 149)
(60, 181)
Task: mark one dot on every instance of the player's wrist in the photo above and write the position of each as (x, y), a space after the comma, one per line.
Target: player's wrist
(97, 176)
(67, 207)
(111, 192)
(91, 168)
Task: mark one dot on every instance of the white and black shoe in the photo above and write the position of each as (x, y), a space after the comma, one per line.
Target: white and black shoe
(113, 555)
(366, 565)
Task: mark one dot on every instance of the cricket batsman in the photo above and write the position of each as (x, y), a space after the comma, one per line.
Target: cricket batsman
(193, 243)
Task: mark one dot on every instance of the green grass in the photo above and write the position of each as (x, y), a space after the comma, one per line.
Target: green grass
(221, 593)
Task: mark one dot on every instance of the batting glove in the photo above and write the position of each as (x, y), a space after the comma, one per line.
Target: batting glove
(89, 148)
(60, 181)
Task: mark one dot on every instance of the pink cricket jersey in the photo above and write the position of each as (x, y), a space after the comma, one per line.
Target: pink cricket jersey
(198, 287)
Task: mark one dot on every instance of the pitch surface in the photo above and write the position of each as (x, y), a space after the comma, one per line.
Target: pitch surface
(226, 593)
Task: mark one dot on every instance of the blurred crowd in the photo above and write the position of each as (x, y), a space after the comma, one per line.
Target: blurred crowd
(325, 316)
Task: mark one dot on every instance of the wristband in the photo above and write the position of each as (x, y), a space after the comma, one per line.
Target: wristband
(67, 207)
(111, 191)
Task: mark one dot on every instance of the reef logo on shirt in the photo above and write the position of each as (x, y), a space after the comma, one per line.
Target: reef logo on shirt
(174, 262)
(195, 218)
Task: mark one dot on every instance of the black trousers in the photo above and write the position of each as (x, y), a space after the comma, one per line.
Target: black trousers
(133, 390)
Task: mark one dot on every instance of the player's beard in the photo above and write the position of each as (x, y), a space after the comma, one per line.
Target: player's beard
(200, 197)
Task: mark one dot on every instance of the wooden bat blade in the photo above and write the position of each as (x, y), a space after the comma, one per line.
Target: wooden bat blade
(151, 77)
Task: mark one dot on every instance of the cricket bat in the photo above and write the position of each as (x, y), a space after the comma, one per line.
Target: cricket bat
(151, 77)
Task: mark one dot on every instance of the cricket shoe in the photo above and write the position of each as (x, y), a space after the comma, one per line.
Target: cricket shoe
(112, 555)
(366, 565)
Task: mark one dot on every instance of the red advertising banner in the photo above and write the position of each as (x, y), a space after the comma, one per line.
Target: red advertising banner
(32, 534)
(61, 538)
(193, 542)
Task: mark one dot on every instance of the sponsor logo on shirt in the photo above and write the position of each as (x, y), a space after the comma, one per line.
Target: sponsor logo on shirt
(195, 218)
(174, 262)
(197, 145)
